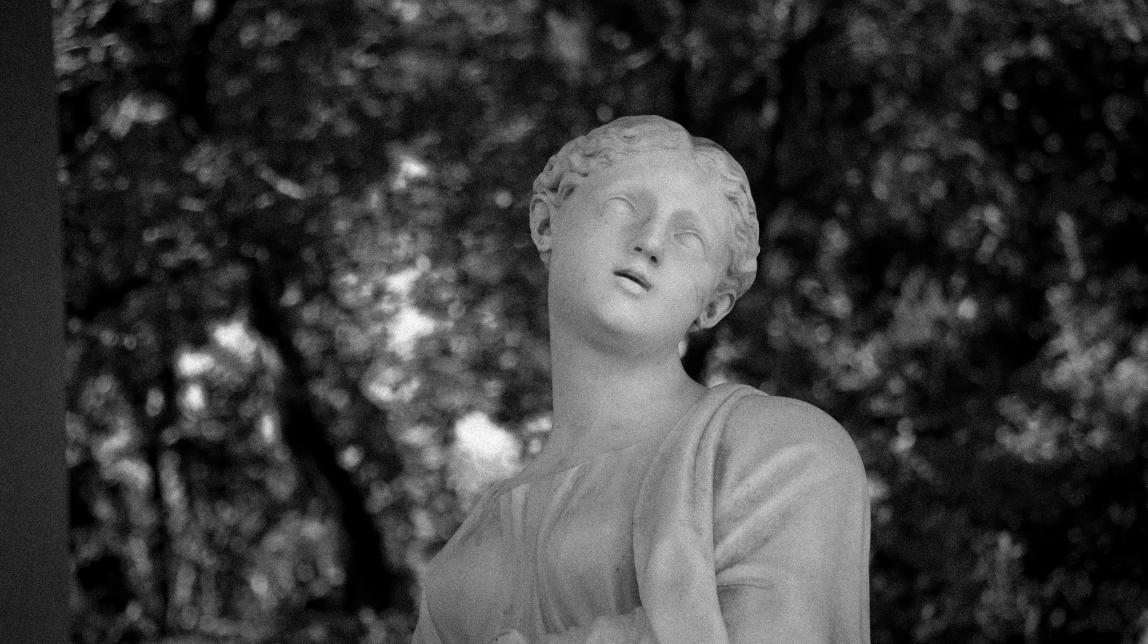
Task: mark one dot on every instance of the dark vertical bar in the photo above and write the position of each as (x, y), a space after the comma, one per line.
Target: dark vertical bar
(33, 510)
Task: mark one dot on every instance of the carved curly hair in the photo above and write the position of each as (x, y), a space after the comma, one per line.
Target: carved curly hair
(631, 135)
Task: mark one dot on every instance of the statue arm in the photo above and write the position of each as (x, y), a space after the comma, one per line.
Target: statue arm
(791, 526)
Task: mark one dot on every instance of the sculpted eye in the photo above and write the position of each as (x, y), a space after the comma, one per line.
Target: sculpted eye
(691, 239)
(618, 207)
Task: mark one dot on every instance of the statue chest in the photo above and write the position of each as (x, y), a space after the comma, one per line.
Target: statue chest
(543, 555)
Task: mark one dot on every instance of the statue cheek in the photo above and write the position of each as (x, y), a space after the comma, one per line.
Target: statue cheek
(701, 298)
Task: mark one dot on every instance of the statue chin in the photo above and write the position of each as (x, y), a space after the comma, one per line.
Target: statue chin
(617, 325)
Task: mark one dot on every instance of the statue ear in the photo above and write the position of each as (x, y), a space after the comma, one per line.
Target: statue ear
(716, 309)
(541, 213)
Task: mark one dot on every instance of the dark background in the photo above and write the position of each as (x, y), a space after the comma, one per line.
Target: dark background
(33, 528)
(305, 322)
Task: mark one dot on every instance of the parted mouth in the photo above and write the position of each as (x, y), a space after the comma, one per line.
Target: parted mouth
(633, 276)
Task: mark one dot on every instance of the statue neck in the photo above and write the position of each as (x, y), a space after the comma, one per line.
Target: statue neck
(603, 401)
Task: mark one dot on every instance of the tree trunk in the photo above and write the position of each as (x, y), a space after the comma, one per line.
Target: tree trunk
(370, 580)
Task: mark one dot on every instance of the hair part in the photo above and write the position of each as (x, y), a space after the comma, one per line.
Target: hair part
(632, 135)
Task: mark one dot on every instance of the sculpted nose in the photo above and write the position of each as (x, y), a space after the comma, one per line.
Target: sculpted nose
(643, 248)
(648, 242)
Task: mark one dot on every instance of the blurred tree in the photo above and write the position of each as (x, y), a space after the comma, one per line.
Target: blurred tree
(299, 286)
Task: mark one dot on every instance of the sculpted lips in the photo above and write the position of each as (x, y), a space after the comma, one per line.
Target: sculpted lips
(634, 276)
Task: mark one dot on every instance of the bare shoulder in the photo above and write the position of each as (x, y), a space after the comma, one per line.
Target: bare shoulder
(761, 425)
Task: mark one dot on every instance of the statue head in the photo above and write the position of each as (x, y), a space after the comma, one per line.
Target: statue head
(635, 135)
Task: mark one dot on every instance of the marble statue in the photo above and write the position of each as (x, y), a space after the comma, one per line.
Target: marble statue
(659, 510)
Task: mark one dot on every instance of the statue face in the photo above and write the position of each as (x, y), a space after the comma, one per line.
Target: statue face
(640, 248)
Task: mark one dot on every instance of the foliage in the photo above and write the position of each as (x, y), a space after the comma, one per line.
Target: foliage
(297, 273)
